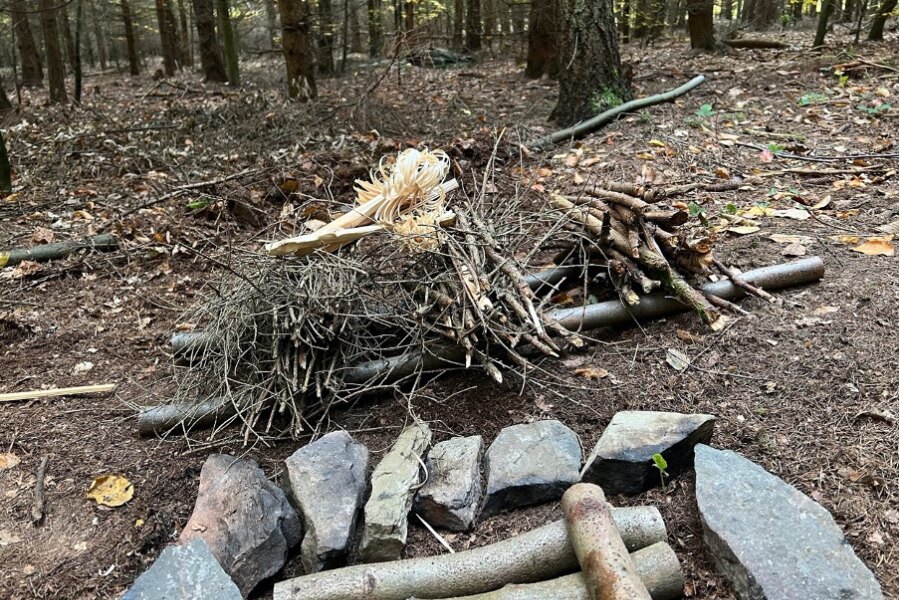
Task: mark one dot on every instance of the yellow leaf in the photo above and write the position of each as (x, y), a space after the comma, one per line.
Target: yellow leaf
(8, 460)
(875, 247)
(645, 156)
(758, 211)
(111, 490)
(846, 239)
(592, 372)
(658, 143)
(743, 229)
(12, 197)
(139, 523)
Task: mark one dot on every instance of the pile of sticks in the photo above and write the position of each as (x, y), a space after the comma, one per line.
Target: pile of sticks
(617, 553)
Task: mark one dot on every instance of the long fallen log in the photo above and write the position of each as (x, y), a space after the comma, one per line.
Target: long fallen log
(537, 555)
(582, 129)
(160, 419)
(757, 44)
(58, 250)
(657, 566)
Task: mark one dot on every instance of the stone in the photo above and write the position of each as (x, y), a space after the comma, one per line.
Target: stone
(185, 571)
(245, 520)
(771, 540)
(452, 495)
(622, 460)
(530, 464)
(326, 481)
(394, 483)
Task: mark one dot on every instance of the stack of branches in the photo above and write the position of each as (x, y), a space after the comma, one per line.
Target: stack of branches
(406, 275)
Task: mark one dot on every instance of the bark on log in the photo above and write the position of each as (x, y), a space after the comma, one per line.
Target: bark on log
(539, 554)
(593, 124)
(161, 419)
(657, 566)
(57, 250)
(608, 570)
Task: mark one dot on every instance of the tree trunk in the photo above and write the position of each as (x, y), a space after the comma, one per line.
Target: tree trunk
(210, 54)
(876, 32)
(624, 21)
(592, 80)
(459, 14)
(356, 43)
(375, 30)
(79, 34)
(640, 14)
(98, 35)
(766, 14)
(298, 56)
(271, 22)
(5, 168)
(822, 29)
(727, 9)
(542, 33)
(131, 44)
(223, 14)
(473, 25)
(658, 10)
(797, 9)
(56, 73)
(187, 58)
(5, 104)
(700, 25)
(325, 39)
(169, 51)
(489, 8)
(67, 37)
(32, 73)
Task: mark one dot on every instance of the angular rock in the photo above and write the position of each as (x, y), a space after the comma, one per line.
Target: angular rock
(326, 481)
(529, 464)
(245, 520)
(187, 571)
(771, 540)
(622, 460)
(393, 488)
(452, 495)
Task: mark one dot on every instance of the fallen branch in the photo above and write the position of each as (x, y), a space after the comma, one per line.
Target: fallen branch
(58, 250)
(37, 509)
(593, 124)
(539, 554)
(735, 276)
(657, 566)
(791, 156)
(69, 391)
(755, 44)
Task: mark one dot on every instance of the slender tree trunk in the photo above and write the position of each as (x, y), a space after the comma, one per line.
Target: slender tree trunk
(876, 31)
(700, 24)
(166, 41)
(797, 9)
(271, 22)
(298, 56)
(223, 14)
(32, 73)
(459, 12)
(210, 54)
(79, 29)
(5, 104)
(542, 33)
(102, 55)
(325, 39)
(592, 80)
(473, 25)
(375, 28)
(658, 10)
(727, 9)
(67, 37)
(184, 37)
(356, 43)
(5, 168)
(624, 21)
(56, 73)
(130, 42)
(822, 29)
(489, 9)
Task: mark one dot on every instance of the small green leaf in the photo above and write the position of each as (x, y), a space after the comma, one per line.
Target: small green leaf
(695, 210)
(198, 203)
(706, 110)
(731, 209)
(660, 462)
(774, 148)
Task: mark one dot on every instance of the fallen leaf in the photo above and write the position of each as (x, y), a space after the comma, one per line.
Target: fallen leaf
(7, 538)
(825, 310)
(798, 214)
(572, 160)
(783, 238)
(892, 228)
(82, 367)
(82, 215)
(821, 203)
(111, 490)
(687, 336)
(657, 143)
(8, 460)
(645, 156)
(722, 173)
(678, 360)
(42, 235)
(766, 156)
(875, 247)
(544, 172)
(743, 229)
(846, 239)
(577, 178)
(794, 250)
(592, 372)
(758, 211)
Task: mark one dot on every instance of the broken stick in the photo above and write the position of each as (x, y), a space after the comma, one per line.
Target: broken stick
(69, 391)
(37, 510)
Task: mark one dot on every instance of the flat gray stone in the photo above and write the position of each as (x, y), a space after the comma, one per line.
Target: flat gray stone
(530, 464)
(326, 481)
(393, 488)
(187, 572)
(771, 540)
(622, 460)
(452, 495)
(245, 520)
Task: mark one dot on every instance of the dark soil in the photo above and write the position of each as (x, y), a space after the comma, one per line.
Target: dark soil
(800, 387)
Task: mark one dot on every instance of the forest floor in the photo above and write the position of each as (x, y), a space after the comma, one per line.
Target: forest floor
(807, 387)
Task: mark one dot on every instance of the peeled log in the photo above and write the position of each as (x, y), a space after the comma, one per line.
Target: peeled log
(657, 566)
(537, 555)
(57, 250)
(608, 570)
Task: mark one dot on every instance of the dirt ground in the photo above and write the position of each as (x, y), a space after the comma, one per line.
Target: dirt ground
(806, 387)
